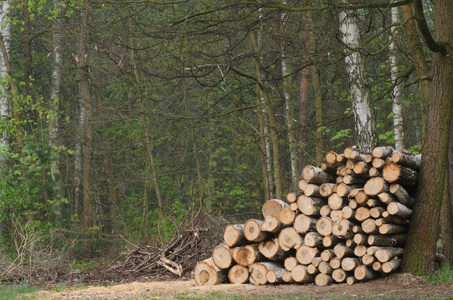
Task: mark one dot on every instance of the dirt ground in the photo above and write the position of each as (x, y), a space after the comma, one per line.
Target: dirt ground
(401, 286)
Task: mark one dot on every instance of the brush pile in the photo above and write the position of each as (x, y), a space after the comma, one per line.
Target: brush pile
(348, 223)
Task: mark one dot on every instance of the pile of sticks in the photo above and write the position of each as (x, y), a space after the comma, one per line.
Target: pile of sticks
(348, 223)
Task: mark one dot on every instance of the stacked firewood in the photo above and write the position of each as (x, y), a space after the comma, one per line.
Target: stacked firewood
(348, 223)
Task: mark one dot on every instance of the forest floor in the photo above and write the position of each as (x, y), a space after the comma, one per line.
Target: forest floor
(399, 286)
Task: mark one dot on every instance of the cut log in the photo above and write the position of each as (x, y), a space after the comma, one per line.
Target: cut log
(377, 266)
(397, 240)
(287, 216)
(354, 178)
(290, 263)
(316, 261)
(274, 207)
(253, 233)
(271, 224)
(327, 255)
(330, 241)
(361, 198)
(411, 161)
(289, 239)
(376, 212)
(336, 202)
(339, 275)
(391, 229)
(383, 152)
(275, 275)
(350, 243)
(371, 250)
(341, 158)
(391, 265)
(357, 156)
(335, 263)
(360, 250)
(361, 167)
(402, 195)
(247, 255)
(305, 254)
(341, 250)
(362, 213)
(324, 226)
(369, 226)
(222, 257)
(353, 204)
(325, 190)
(323, 279)
(349, 165)
(325, 211)
(287, 277)
(304, 223)
(391, 219)
(336, 215)
(331, 157)
(258, 274)
(293, 206)
(343, 190)
(368, 260)
(354, 193)
(363, 273)
(396, 173)
(386, 198)
(343, 228)
(351, 280)
(311, 269)
(238, 274)
(350, 263)
(234, 235)
(378, 163)
(313, 239)
(357, 229)
(312, 190)
(325, 268)
(310, 205)
(347, 212)
(369, 158)
(360, 239)
(329, 168)
(375, 186)
(271, 249)
(300, 274)
(291, 197)
(398, 209)
(206, 273)
(302, 184)
(373, 172)
(338, 180)
(316, 175)
(385, 254)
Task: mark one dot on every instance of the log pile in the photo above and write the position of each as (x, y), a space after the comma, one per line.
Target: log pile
(348, 223)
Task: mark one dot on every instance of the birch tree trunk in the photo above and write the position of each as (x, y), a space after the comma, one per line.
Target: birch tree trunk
(359, 87)
(4, 102)
(397, 94)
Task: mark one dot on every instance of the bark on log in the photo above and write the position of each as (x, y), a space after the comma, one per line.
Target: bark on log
(332, 169)
(357, 156)
(312, 190)
(411, 161)
(391, 229)
(383, 152)
(234, 235)
(378, 163)
(397, 240)
(390, 219)
(206, 273)
(324, 226)
(272, 250)
(247, 255)
(253, 233)
(354, 193)
(290, 263)
(396, 173)
(371, 250)
(360, 239)
(222, 257)
(238, 274)
(287, 277)
(385, 254)
(325, 268)
(386, 198)
(341, 158)
(350, 263)
(313, 239)
(327, 255)
(373, 172)
(341, 250)
(376, 212)
(398, 209)
(402, 195)
(305, 254)
(289, 239)
(354, 178)
(271, 224)
(274, 207)
(316, 175)
(310, 205)
(316, 261)
(391, 265)
(339, 275)
(343, 190)
(375, 186)
(363, 273)
(275, 275)
(287, 216)
(300, 274)
(303, 223)
(330, 240)
(361, 167)
(351, 280)
(323, 279)
(325, 190)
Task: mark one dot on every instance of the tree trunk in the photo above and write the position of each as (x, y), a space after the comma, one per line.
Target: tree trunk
(4, 101)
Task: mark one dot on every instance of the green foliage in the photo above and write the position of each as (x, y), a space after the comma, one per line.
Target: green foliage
(13, 291)
(340, 136)
(444, 275)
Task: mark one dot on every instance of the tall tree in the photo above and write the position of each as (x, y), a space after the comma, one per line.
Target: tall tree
(4, 102)
(365, 124)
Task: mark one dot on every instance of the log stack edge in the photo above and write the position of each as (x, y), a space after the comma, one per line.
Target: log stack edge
(348, 223)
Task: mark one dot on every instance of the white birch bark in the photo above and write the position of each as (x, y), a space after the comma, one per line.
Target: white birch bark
(358, 83)
(4, 102)
(397, 105)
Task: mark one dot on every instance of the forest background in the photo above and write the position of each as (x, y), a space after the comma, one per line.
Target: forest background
(125, 119)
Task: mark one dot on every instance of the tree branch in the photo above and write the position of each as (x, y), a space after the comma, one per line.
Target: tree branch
(424, 30)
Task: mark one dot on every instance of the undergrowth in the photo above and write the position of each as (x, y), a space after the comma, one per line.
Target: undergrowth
(15, 291)
(442, 276)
